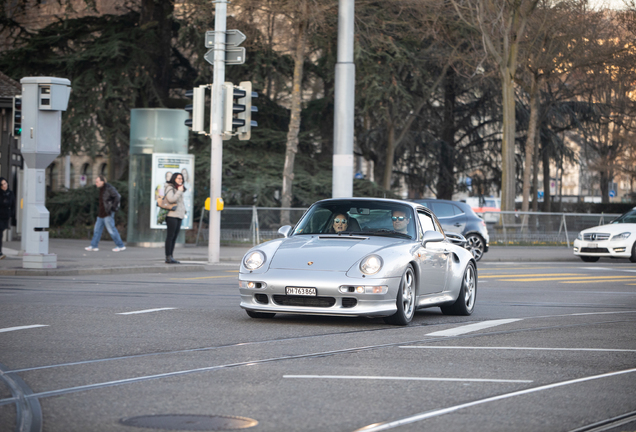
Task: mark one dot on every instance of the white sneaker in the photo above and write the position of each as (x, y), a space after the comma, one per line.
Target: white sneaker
(91, 249)
(119, 249)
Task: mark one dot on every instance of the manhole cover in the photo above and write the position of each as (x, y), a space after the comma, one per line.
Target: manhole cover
(190, 422)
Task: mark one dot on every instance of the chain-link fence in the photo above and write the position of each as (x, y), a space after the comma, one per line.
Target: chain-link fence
(520, 228)
(254, 225)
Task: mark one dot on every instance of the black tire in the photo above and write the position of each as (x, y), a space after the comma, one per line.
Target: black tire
(405, 300)
(594, 259)
(476, 245)
(633, 257)
(465, 303)
(254, 314)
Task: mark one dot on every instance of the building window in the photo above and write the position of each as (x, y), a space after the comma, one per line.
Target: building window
(86, 174)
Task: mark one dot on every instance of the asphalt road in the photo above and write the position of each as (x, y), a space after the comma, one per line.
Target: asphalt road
(550, 347)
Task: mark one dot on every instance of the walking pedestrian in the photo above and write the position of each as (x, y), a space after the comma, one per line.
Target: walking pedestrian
(7, 209)
(174, 190)
(109, 200)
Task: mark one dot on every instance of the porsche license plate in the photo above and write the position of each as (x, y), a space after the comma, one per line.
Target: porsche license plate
(300, 291)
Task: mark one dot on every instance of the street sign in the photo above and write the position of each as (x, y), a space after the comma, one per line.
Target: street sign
(612, 194)
(232, 38)
(234, 55)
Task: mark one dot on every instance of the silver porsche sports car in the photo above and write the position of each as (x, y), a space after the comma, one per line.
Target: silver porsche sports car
(360, 257)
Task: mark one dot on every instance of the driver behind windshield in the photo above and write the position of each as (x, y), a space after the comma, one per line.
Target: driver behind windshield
(400, 221)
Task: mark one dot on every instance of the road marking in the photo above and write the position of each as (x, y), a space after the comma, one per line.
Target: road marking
(472, 327)
(526, 275)
(204, 277)
(597, 278)
(8, 329)
(145, 311)
(518, 348)
(429, 414)
(394, 378)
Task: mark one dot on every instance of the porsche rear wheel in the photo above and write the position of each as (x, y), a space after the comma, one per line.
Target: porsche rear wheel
(254, 314)
(465, 303)
(405, 300)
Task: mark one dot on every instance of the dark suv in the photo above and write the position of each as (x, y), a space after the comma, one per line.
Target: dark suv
(460, 218)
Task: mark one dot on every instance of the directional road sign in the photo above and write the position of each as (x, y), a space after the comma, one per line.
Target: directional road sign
(232, 37)
(233, 56)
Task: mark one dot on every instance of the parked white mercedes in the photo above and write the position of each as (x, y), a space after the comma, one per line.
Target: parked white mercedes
(615, 240)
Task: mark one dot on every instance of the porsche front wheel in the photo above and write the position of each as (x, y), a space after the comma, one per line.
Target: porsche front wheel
(405, 300)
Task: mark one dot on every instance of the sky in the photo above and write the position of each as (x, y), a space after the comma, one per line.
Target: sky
(614, 4)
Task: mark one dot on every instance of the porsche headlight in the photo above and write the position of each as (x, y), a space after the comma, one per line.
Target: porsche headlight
(371, 265)
(254, 260)
(621, 236)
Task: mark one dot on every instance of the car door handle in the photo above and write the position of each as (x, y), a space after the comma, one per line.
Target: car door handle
(458, 224)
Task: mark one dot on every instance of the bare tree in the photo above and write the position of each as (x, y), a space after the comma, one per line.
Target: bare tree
(502, 25)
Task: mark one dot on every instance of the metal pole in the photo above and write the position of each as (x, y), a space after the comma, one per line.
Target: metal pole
(342, 179)
(216, 131)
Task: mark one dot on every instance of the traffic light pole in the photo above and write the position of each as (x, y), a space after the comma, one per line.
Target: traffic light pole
(216, 131)
(342, 186)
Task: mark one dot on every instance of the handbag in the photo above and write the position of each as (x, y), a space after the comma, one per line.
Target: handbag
(164, 203)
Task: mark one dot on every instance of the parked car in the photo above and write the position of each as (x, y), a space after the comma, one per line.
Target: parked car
(459, 217)
(488, 208)
(615, 240)
(391, 258)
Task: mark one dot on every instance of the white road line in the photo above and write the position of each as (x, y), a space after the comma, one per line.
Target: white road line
(472, 327)
(519, 348)
(426, 415)
(8, 329)
(394, 378)
(145, 311)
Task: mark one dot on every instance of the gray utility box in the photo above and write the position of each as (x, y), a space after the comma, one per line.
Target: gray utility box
(43, 100)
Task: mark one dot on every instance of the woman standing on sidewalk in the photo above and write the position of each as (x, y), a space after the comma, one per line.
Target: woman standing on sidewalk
(7, 209)
(174, 190)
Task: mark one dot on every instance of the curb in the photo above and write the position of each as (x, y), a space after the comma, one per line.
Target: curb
(173, 268)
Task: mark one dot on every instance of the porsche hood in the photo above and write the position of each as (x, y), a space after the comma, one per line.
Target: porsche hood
(327, 253)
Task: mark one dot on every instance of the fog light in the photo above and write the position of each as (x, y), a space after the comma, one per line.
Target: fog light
(619, 249)
(576, 249)
(252, 285)
(360, 289)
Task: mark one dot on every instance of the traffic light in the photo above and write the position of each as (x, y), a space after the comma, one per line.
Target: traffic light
(197, 109)
(245, 131)
(237, 110)
(17, 116)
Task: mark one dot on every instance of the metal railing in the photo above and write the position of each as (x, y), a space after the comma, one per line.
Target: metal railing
(514, 228)
(254, 225)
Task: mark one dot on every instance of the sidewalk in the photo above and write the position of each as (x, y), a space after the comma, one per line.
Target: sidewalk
(73, 260)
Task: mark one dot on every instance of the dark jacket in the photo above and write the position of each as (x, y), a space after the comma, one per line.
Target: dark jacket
(7, 204)
(111, 198)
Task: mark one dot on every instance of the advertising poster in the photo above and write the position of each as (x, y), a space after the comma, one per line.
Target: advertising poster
(164, 165)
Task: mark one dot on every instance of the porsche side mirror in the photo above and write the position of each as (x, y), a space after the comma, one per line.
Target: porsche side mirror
(432, 236)
(285, 230)
(457, 239)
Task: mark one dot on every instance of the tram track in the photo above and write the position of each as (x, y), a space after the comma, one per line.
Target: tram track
(29, 413)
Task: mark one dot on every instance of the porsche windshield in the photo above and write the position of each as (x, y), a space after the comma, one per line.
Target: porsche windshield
(351, 217)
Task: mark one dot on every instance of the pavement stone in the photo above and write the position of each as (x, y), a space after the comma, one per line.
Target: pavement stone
(73, 259)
